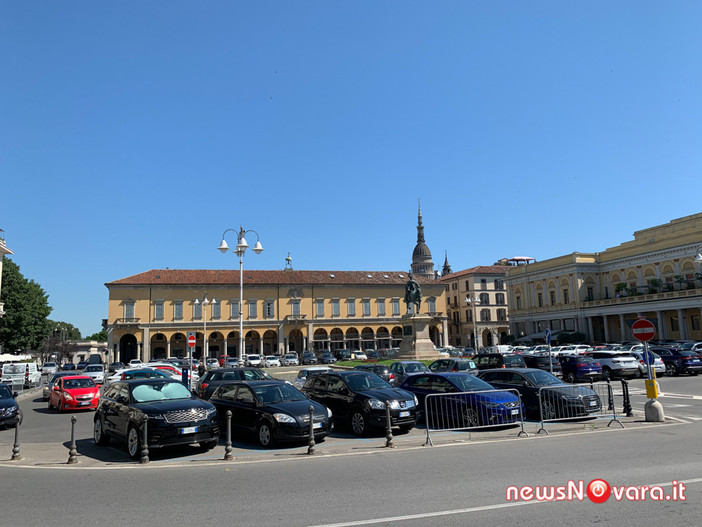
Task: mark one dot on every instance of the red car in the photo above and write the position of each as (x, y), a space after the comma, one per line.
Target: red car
(74, 392)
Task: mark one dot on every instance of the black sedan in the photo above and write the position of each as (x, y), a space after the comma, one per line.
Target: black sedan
(544, 362)
(454, 364)
(10, 413)
(559, 400)
(215, 378)
(380, 370)
(274, 411)
(359, 398)
(175, 416)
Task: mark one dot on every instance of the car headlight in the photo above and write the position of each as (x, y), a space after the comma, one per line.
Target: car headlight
(491, 404)
(67, 396)
(284, 418)
(376, 404)
(211, 411)
(329, 413)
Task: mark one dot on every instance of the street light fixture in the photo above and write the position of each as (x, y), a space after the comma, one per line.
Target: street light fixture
(205, 302)
(474, 302)
(240, 249)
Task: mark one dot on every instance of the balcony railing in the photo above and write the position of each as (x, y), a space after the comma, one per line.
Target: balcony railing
(127, 321)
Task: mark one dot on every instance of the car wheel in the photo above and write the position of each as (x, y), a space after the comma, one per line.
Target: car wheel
(265, 435)
(208, 445)
(359, 423)
(470, 417)
(571, 377)
(670, 369)
(99, 433)
(638, 374)
(548, 410)
(606, 373)
(134, 442)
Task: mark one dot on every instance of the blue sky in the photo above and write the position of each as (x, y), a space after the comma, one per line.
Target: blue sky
(132, 134)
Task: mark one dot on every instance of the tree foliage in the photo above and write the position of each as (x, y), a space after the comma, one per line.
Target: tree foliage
(25, 324)
(100, 336)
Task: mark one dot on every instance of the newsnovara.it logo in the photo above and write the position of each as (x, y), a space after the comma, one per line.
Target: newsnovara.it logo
(597, 491)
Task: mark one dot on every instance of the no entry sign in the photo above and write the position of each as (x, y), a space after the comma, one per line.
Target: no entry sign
(191, 341)
(643, 330)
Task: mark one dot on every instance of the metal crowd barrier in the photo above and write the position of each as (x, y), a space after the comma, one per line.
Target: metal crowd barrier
(563, 403)
(471, 410)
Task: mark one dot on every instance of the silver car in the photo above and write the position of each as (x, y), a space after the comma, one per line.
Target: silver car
(96, 372)
(658, 364)
(616, 364)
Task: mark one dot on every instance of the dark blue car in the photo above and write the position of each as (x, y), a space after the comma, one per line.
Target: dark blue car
(465, 409)
(578, 368)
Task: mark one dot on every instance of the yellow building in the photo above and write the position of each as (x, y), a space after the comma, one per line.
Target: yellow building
(150, 314)
(476, 304)
(656, 276)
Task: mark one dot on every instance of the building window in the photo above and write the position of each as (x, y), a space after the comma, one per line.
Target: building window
(129, 309)
(467, 285)
(381, 307)
(455, 317)
(518, 301)
(197, 311)
(500, 299)
(269, 308)
(674, 326)
(365, 305)
(319, 307)
(552, 295)
(295, 307)
(484, 299)
(178, 310)
(252, 307)
(234, 308)
(396, 307)
(454, 286)
(501, 315)
(431, 305)
(566, 299)
(499, 284)
(469, 315)
(335, 307)
(351, 307)
(216, 310)
(483, 284)
(695, 322)
(158, 310)
(485, 315)
(590, 294)
(540, 299)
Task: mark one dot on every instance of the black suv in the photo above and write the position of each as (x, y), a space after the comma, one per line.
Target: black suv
(175, 416)
(542, 362)
(359, 398)
(380, 370)
(486, 361)
(213, 379)
(463, 365)
(679, 361)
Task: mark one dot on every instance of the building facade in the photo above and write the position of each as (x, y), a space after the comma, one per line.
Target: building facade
(656, 276)
(150, 314)
(476, 306)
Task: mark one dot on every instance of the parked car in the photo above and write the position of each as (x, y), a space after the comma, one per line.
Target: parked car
(223, 359)
(81, 365)
(359, 355)
(680, 361)
(304, 373)
(544, 362)
(615, 365)
(74, 392)
(463, 409)
(49, 368)
(580, 368)
(20, 374)
(114, 366)
(343, 355)
(233, 362)
(359, 398)
(175, 416)
(560, 400)
(403, 368)
(212, 364)
(69, 366)
(658, 365)
(372, 355)
(10, 413)
(327, 358)
(50, 382)
(136, 373)
(271, 361)
(96, 372)
(499, 360)
(380, 370)
(135, 363)
(214, 379)
(309, 358)
(273, 411)
(454, 364)
(254, 360)
(290, 359)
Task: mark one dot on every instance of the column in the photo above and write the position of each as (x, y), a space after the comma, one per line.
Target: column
(662, 330)
(225, 348)
(444, 333)
(168, 348)
(622, 327)
(683, 324)
(146, 338)
(281, 340)
(591, 332)
(260, 346)
(605, 320)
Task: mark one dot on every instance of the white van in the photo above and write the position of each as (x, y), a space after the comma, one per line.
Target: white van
(21, 374)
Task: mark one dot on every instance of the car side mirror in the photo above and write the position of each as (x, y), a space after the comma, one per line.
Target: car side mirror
(55, 388)
(15, 395)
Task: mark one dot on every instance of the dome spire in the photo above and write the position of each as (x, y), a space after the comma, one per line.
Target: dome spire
(420, 227)
(421, 256)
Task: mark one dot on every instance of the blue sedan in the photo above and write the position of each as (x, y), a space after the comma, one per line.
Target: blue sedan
(474, 404)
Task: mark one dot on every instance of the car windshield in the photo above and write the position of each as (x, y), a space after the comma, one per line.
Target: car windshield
(13, 369)
(160, 391)
(71, 384)
(414, 367)
(360, 381)
(542, 378)
(688, 354)
(5, 392)
(469, 383)
(94, 368)
(255, 375)
(49, 365)
(278, 393)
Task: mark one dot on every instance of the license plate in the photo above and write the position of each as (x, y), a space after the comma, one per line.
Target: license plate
(84, 404)
(188, 430)
(593, 403)
(316, 425)
(404, 414)
(515, 412)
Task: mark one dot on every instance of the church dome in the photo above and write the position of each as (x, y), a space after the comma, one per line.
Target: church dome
(421, 251)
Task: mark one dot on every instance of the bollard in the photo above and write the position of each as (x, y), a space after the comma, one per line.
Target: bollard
(228, 448)
(388, 427)
(310, 447)
(16, 447)
(610, 396)
(73, 453)
(627, 400)
(145, 443)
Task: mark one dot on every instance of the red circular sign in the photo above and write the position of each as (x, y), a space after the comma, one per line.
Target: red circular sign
(191, 341)
(643, 330)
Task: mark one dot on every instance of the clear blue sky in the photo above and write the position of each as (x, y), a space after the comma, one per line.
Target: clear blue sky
(133, 133)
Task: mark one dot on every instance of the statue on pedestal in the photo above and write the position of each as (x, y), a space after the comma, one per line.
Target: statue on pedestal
(413, 293)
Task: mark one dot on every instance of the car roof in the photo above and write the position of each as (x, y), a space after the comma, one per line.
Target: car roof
(260, 382)
(76, 377)
(515, 370)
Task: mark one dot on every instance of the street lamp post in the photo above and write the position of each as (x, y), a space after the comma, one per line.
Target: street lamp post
(204, 303)
(240, 249)
(474, 303)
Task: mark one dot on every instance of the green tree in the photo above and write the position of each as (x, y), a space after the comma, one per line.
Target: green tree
(25, 324)
(100, 336)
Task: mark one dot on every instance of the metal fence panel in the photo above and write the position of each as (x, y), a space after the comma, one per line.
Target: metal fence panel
(469, 410)
(566, 402)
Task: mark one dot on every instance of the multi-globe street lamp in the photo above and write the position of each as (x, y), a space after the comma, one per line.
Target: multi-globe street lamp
(474, 302)
(204, 303)
(240, 250)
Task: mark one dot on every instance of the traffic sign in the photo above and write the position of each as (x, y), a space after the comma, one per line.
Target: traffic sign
(548, 336)
(191, 341)
(647, 357)
(643, 330)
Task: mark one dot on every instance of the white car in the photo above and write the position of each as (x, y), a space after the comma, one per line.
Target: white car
(658, 364)
(135, 363)
(304, 373)
(254, 360)
(96, 372)
(291, 359)
(212, 364)
(49, 368)
(359, 355)
(271, 360)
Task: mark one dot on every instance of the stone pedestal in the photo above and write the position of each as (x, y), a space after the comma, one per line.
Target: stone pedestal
(416, 343)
